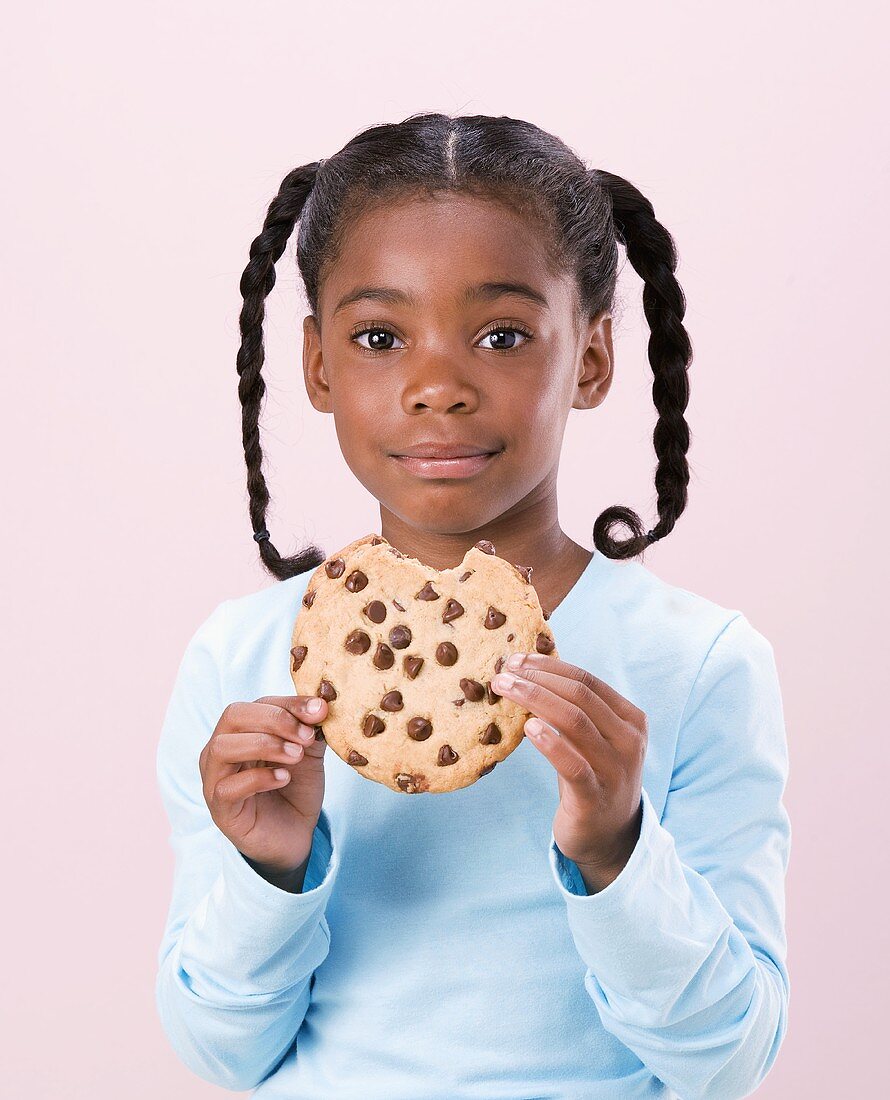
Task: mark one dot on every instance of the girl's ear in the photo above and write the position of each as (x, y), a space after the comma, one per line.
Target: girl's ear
(313, 366)
(595, 364)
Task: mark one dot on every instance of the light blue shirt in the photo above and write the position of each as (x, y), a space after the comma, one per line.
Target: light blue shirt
(442, 946)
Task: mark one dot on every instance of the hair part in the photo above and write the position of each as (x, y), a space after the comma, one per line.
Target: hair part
(584, 214)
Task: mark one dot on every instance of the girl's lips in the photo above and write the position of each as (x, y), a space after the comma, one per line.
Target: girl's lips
(445, 467)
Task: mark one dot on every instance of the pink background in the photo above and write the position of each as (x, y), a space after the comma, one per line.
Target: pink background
(142, 146)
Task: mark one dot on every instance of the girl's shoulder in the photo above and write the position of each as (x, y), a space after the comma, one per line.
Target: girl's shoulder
(636, 604)
(247, 634)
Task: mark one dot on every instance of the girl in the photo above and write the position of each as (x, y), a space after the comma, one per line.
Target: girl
(330, 938)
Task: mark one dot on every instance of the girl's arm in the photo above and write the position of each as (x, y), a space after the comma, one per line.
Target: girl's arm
(238, 953)
(686, 948)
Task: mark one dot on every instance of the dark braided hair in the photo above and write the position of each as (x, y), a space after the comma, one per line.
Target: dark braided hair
(587, 213)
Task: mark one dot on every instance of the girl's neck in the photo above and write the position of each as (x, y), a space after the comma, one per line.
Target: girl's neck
(556, 560)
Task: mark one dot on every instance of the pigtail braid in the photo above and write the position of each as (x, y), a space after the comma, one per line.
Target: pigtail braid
(256, 283)
(653, 255)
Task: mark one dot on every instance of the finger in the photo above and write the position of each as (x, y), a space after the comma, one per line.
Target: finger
(568, 718)
(228, 796)
(229, 750)
(298, 705)
(624, 708)
(609, 724)
(571, 766)
(263, 717)
(257, 721)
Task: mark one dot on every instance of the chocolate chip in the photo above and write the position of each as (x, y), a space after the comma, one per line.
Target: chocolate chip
(392, 701)
(400, 637)
(356, 581)
(412, 666)
(485, 546)
(544, 643)
(453, 610)
(510, 638)
(319, 733)
(357, 642)
(494, 618)
(396, 603)
(468, 573)
(491, 695)
(373, 725)
(376, 611)
(488, 769)
(299, 655)
(356, 759)
(327, 691)
(499, 664)
(376, 540)
(446, 653)
(447, 755)
(525, 571)
(491, 735)
(334, 568)
(546, 615)
(419, 729)
(459, 702)
(412, 784)
(472, 689)
(309, 598)
(427, 592)
(383, 656)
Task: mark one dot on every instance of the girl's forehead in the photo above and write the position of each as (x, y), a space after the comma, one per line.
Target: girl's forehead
(451, 244)
(413, 222)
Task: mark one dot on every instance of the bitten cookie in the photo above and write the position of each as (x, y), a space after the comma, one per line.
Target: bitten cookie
(404, 655)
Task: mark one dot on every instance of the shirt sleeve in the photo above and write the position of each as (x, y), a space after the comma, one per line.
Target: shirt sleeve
(237, 954)
(686, 950)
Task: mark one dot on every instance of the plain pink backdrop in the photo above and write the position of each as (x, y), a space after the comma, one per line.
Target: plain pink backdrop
(143, 144)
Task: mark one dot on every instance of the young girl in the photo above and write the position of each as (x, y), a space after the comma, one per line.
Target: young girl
(603, 914)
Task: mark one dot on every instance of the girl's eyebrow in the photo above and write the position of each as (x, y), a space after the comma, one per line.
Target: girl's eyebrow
(480, 292)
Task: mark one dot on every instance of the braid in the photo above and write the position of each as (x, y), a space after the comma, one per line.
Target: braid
(256, 284)
(653, 255)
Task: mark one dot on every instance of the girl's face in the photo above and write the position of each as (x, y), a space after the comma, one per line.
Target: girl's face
(420, 338)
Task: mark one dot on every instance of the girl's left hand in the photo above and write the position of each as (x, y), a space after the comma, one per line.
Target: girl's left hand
(598, 752)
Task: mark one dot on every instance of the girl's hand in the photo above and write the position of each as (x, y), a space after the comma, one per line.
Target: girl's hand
(269, 819)
(598, 752)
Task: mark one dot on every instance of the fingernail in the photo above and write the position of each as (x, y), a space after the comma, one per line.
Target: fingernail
(291, 749)
(515, 660)
(534, 727)
(314, 706)
(307, 733)
(504, 681)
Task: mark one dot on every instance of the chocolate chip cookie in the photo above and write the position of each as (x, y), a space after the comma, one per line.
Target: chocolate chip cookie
(405, 654)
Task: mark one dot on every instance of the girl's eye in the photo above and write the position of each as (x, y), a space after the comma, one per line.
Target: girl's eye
(381, 339)
(377, 337)
(508, 332)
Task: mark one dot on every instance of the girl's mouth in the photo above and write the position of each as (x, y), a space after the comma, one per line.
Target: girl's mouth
(445, 467)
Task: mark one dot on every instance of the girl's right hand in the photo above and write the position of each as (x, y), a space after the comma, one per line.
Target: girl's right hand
(269, 820)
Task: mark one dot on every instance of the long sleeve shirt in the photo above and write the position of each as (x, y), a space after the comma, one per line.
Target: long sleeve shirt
(442, 945)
